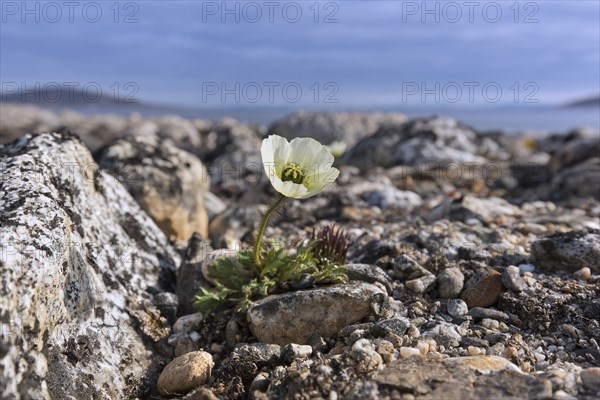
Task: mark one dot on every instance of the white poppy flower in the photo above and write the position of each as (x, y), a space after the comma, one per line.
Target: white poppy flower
(299, 169)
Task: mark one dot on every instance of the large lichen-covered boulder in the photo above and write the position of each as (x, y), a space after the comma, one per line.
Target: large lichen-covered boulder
(80, 261)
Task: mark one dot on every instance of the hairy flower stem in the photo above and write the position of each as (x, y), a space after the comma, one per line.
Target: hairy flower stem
(261, 229)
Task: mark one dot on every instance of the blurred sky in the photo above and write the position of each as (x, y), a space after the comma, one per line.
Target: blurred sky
(172, 50)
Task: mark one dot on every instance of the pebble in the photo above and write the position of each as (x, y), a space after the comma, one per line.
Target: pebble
(422, 284)
(232, 332)
(496, 350)
(511, 278)
(407, 268)
(167, 305)
(183, 346)
(292, 351)
(406, 352)
(397, 326)
(423, 347)
(474, 342)
(385, 349)
(395, 340)
(368, 273)
(474, 351)
(590, 378)
(526, 367)
(201, 394)
(355, 335)
(479, 313)
(259, 384)
(483, 289)
(188, 323)
(217, 348)
(317, 342)
(510, 353)
(347, 331)
(392, 198)
(185, 373)
(445, 333)
(584, 273)
(294, 317)
(450, 283)
(413, 331)
(494, 338)
(457, 308)
(490, 324)
(364, 352)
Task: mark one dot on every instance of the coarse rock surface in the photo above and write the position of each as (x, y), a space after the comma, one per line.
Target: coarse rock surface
(81, 262)
(168, 183)
(295, 317)
(435, 211)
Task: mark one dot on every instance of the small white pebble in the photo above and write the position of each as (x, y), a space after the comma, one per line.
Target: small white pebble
(473, 351)
(195, 336)
(216, 348)
(406, 352)
(539, 357)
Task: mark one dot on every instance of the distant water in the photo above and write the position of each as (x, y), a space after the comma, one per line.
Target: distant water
(518, 120)
(509, 119)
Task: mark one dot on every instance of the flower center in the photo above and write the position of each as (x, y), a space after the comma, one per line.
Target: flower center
(292, 173)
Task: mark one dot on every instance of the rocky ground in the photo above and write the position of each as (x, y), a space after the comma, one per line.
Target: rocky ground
(474, 270)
